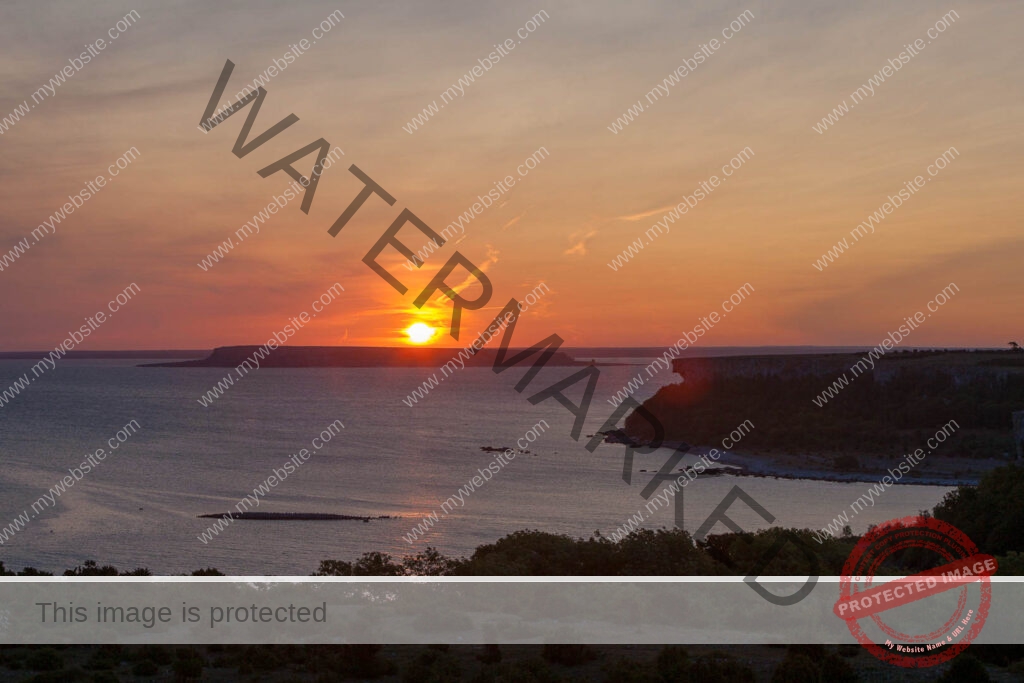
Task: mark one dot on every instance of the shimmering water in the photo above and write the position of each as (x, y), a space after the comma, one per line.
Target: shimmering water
(140, 507)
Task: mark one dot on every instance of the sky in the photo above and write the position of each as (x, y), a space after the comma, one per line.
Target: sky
(594, 193)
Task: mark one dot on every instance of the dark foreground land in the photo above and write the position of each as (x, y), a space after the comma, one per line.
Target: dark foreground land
(493, 664)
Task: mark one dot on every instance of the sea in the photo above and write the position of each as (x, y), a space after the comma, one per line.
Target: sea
(141, 505)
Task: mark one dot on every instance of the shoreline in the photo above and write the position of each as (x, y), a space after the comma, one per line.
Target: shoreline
(941, 471)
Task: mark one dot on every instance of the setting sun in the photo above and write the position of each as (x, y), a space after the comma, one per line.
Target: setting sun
(420, 333)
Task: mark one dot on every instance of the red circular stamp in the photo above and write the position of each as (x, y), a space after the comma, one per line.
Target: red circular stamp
(960, 587)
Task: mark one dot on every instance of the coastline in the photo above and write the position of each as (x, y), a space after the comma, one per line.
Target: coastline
(940, 471)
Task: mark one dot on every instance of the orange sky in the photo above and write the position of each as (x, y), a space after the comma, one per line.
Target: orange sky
(560, 225)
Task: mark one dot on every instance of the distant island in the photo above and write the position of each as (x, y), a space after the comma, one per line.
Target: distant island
(348, 357)
(295, 516)
(131, 354)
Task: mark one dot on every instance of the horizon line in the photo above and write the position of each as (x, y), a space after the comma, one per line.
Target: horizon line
(457, 348)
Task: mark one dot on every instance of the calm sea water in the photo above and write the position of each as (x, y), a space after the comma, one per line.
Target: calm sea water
(140, 507)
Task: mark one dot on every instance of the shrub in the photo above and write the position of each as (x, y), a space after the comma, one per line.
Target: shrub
(376, 564)
(849, 650)
(718, 667)
(158, 654)
(522, 671)
(362, 661)
(188, 665)
(105, 658)
(145, 668)
(992, 513)
(674, 663)
(966, 669)
(568, 655)
(433, 666)
(90, 568)
(796, 668)
(490, 655)
(623, 670)
(62, 676)
(835, 669)
(46, 659)
(333, 568)
(264, 658)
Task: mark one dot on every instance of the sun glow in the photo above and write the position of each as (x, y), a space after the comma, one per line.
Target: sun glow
(419, 333)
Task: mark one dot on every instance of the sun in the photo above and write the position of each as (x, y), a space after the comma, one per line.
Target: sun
(419, 333)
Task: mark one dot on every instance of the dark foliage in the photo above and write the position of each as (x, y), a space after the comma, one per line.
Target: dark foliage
(569, 654)
(966, 669)
(522, 671)
(813, 664)
(867, 416)
(991, 514)
(433, 666)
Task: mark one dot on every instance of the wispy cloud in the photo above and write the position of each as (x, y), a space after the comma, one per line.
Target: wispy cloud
(513, 221)
(580, 238)
(492, 258)
(645, 214)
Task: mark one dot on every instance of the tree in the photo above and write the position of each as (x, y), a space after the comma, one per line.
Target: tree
(376, 564)
(433, 666)
(90, 568)
(429, 563)
(209, 571)
(719, 667)
(992, 513)
(570, 654)
(796, 668)
(334, 568)
(188, 666)
(834, 669)
(674, 664)
(966, 669)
